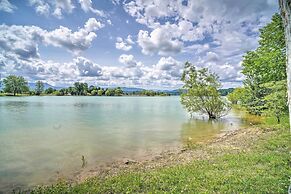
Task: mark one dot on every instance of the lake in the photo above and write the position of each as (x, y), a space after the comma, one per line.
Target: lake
(43, 137)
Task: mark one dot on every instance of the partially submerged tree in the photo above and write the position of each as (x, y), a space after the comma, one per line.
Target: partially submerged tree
(285, 6)
(201, 92)
(15, 85)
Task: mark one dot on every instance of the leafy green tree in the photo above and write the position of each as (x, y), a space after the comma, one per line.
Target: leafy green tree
(91, 88)
(276, 100)
(201, 92)
(94, 92)
(118, 91)
(15, 85)
(57, 93)
(62, 92)
(81, 88)
(49, 90)
(39, 87)
(236, 96)
(265, 64)
(100, 92)
(109, 92)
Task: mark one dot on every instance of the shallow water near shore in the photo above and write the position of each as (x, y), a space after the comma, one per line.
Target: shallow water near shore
(42, 138)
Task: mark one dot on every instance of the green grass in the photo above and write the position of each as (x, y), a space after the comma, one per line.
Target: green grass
(263, 169)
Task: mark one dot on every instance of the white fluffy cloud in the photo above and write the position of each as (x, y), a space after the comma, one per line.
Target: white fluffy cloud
(24, 40)
(20, 40)
(124, 45)
(213, 34)
(58, 8)
(128, 60)
(160, 40)
(74, 41)
(87, 67)
(217, 33)
(6, 6)
(86, 5)
(54, 7)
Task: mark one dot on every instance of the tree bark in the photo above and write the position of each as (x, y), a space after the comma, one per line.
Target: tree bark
(285, 6)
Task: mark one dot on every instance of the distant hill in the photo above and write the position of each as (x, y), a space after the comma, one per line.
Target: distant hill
(131, 90)
(225, 92)
(46, 86)
(171, 92)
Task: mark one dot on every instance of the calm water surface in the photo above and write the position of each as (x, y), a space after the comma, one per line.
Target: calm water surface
(43, 137)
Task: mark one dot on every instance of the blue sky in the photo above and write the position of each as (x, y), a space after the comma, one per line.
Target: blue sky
(142, 43)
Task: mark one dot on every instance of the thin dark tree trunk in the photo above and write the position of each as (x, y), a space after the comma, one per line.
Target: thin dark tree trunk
(285, 6)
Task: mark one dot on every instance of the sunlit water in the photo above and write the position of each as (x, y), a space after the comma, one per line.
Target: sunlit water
(43, 137)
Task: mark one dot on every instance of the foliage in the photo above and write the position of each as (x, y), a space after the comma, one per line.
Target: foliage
(100, 92)
(49, 90)
(236, 96)
(276, 100)
(94, 92)
(202, 94)
(225, 92)
(109, 92)
(39, 87)
(15, 85)
(81, 88)
(268, 62)
(118, 91)
(265, 64)
(150, 93)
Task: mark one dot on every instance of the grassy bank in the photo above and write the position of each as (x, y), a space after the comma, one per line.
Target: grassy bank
(253, 160)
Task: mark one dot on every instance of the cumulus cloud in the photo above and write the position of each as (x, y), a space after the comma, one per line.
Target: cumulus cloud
(24, 40)
(124, 45)
(212, 34)
(216, 32)
(87, 68)
(128, 60)
(86, 5)
(20, 40)
(54, 7)
(167, 68)
(41, 7)
(6, 6)
(160, 40)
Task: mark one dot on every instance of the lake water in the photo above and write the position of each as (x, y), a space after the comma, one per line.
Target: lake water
(43, 137)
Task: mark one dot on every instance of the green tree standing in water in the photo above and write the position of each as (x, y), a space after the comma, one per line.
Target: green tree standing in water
(202, 93)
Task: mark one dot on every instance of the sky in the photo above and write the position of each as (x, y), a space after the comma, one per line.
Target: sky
(128, 43)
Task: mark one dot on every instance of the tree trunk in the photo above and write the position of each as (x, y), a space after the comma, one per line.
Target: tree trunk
(278, 120)
(285, 6)
(211, 116)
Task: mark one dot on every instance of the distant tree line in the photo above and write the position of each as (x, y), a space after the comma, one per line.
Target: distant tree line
(17, 85)
(225, 91)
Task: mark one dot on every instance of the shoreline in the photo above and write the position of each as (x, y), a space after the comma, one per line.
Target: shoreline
(166, 158)
(237, 141)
